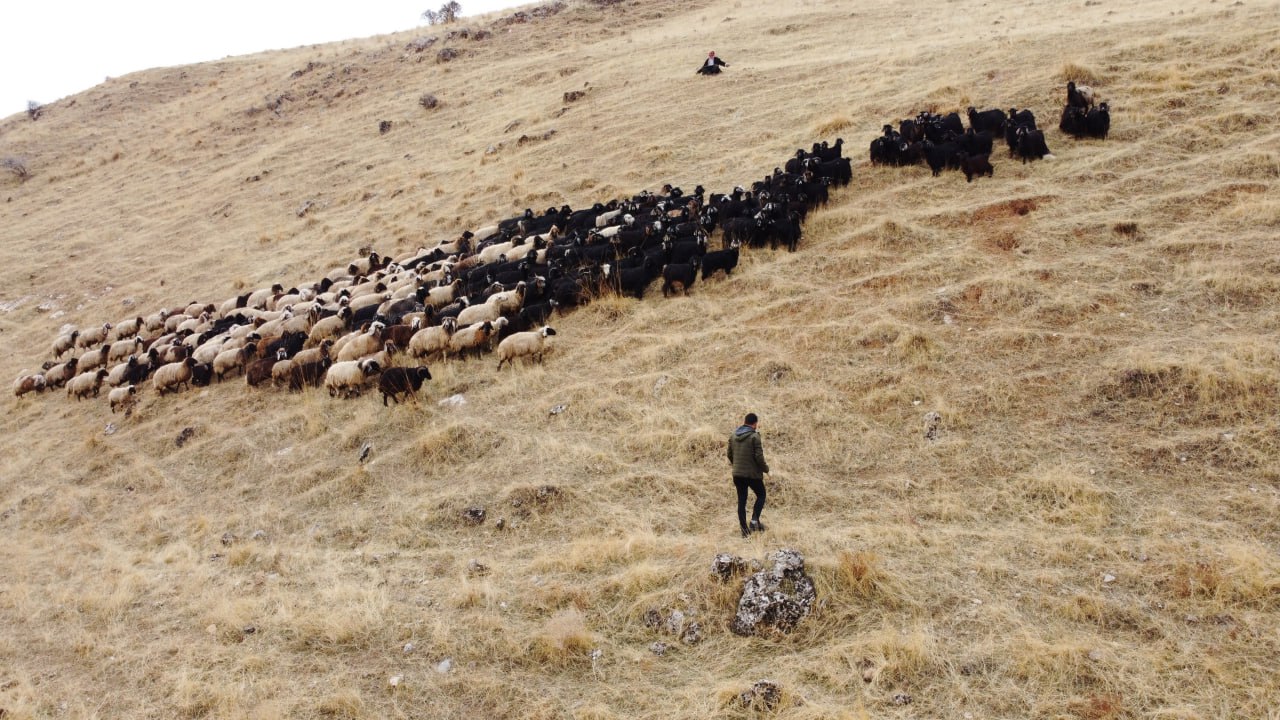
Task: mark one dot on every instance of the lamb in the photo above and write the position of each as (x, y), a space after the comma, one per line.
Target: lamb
(64, 343)
(123, 397)
(93, 336)
(349, 377)
(28, 383)
(172, 376)
(524, 344)
(313, 354)
(84, 384)
(402, 381)
(431, 340)
(233, 359)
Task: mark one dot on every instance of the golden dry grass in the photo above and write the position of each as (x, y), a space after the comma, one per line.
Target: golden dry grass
(1093, 534)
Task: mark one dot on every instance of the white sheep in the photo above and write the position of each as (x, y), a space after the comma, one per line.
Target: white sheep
(509, 301)
(155, 321)
(441, 295)
(604, 218)
(126, 328)
(349, 377)
(314, 354)
(491, 253)
(84, 384)
(258, 298)
(524, 344)
(332, 326)
(232, 359)
(206, 352)
(93, 336)
(357, 345)
(122, 397)
(431, 340)
(485, 311)
(172, 376)
(28, 383)
(122, 349)
(65, 342)
(93, 358)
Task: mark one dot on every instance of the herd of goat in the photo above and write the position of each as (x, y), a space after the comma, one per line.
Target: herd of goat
(943, 143)
(495, 289)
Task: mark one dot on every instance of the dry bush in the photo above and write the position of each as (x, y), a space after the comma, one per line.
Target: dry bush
(17, 166)
(1079, 74)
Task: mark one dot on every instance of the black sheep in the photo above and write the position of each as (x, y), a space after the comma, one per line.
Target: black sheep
(679, 276)
(398, 381)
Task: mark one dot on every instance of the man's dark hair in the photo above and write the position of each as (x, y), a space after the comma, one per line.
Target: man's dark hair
(751, 419)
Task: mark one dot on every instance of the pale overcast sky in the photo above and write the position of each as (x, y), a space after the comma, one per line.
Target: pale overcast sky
(55, 48)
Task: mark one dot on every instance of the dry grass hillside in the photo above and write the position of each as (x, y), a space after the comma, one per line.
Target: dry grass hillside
(1094, 533)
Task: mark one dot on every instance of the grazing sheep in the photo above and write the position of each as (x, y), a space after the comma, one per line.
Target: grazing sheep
(402, 381)
(28, 383)
(85, 384)
(119, 375)
(431, 340)
(173, 376)
(93, 336)
(1081, 96)
(976, 165)
(122, 397)
(64, 343)
(233, 359)
(349, 377)
(524, 344)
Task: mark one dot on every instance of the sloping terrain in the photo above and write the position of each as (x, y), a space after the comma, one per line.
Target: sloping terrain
(1092, 532)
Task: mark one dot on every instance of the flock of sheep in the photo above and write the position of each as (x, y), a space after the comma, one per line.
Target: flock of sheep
(943, 143)
(374, 320)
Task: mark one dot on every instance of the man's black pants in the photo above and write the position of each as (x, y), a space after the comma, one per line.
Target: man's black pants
(757, 486)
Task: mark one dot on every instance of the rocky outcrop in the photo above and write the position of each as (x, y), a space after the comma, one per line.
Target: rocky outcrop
(776, 599)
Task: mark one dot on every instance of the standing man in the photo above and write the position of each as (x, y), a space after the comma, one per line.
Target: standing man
(746, 454)
(712, 65)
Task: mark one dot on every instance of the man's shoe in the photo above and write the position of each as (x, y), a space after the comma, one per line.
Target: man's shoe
(757, 526)
(746, 532)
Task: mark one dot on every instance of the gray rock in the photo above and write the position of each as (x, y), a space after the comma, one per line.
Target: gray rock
(775, 599)
(474, 515)
(726, 566)
(763, 695)
(658, 648)
(475, 568)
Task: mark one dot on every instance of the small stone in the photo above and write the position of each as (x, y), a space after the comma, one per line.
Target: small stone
(454, 401)
(444, 666)
(212, 629)
(110, 429)
(658, 648)
(763, 695)
(501, 524)
(475, 568)
(901, 699)
(559, 408)
(976, 601)
(258, 535)
(228, 537)
(1095, 655)
(395, 680)
(1108, 578)
(474, 515)
(692, 634)
(249, 629)
(408, 648)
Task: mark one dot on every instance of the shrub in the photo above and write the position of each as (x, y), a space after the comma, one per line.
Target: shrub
(447, 13)
(34, 110)
(17, 166)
